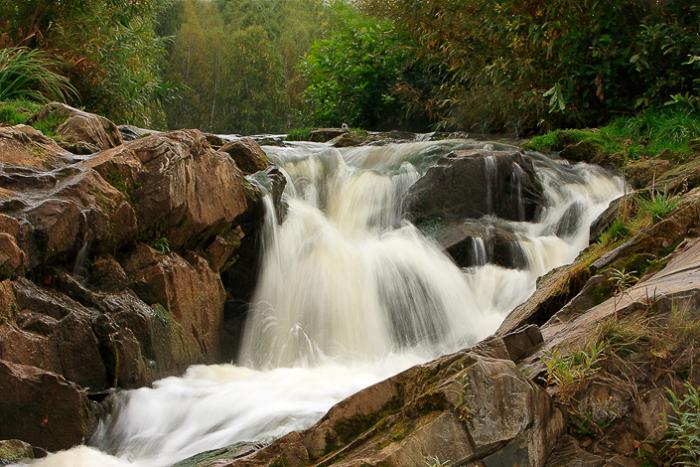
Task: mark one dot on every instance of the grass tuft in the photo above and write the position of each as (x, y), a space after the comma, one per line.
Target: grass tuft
(29, 74)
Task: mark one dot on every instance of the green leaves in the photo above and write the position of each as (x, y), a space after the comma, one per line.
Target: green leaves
(352, 74)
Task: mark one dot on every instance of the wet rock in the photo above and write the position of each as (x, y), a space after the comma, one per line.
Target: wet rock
(107, 274)
(32, 412)
(322, 135)
(23, 146)
(569, 223)
(474, 183)
(553, 291)
(222, 251)
(181, 189)
(522, 342)
(466, 408)
(13, 450)
(83, 212)
(187, 291)
(77, 126)
(476, 244)
(248, 155)
(54, 333)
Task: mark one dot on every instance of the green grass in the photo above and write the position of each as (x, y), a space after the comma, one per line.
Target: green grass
(31, 74)
(569, 370)
(647, 134)
(299, 134)
(15, 112)
(659, 205)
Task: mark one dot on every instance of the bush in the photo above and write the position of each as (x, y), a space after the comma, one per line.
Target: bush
(353, 73)
(28, 74)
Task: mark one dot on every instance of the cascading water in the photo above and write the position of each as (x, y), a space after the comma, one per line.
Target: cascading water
(349, 294)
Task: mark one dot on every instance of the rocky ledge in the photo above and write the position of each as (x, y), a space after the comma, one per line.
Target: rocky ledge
(118, 267)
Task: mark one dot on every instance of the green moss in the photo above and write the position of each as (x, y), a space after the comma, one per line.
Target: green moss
(162, 314)
(119, 181)
(348, 429)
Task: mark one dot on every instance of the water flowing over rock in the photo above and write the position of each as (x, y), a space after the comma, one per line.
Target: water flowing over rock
(475, 183)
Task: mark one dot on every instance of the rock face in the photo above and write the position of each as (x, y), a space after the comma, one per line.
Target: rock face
(468, 408)
(474, 183)
(42, 407)
(77, 126)
(110, 266)
(248, 155)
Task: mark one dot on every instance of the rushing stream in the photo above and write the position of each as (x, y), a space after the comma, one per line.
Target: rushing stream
(349, 294)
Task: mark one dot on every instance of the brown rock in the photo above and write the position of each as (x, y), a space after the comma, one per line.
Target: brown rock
(78, 126)
(248, 155)
(189, 292)
(23, 146)
(42, 408)
(55, 333)
(185, 191)
(12, 258)
(464, 407)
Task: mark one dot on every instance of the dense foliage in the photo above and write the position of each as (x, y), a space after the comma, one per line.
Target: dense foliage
(30, 74)
(519, 65)
(108, 48)
(238, 61)
(353, 74)
(249, 66)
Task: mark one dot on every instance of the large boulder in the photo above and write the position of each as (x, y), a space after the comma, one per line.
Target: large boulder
(181, 189)
(77, 126)
(23, 147)
(248, 155)
(42, 408)
(475, 183)
(468, 408)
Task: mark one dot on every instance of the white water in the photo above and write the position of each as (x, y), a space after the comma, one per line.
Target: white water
(349, 294)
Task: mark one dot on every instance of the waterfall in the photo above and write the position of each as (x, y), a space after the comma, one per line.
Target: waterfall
(349, 294)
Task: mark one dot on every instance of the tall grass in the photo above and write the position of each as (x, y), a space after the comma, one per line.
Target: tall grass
(29, 74)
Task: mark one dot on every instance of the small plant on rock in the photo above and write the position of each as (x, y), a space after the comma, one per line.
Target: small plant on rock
(659, 205)
(434, 461)
(683, 436)
(161, 245)
(569, 371)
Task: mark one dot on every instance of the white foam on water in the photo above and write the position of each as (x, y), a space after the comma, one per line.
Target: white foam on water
(349, 294)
